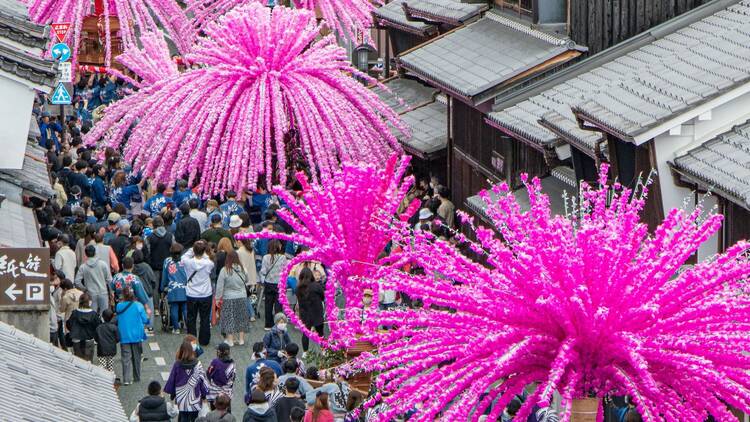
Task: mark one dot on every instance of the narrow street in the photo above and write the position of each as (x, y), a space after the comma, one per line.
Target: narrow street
(160, 351)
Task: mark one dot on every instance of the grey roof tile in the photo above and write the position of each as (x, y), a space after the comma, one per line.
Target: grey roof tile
(393, 15)
(33, 176)
(722, 163)
(405, 94)
(489, 52)
(429, 129)
(444, 11)
(638, 83)
(26, 66)
(676, 73)
(15, 25)
(52, 385)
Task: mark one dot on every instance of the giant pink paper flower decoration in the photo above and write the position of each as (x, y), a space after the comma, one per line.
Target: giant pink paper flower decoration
(146, 15)
(151, 62)
(259, 76)
(348, 17)
(342, 223)
(587, 304)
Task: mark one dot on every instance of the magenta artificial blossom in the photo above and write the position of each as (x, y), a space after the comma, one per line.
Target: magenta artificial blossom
(341, 224)
(261, 88)
(151, 62)
(349, 18)
(588, 304)
(145, 15)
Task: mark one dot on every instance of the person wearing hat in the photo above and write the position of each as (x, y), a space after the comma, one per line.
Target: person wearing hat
(220, 375)
(229, 208)
(216, 231)
(235, 222)
(111, 233)
(277, 339)
(425, 216)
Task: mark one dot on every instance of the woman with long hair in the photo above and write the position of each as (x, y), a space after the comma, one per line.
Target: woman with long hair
(231, 293)
(310, 295)
(353, 403)
(268, 385)
(270, 270)
(121, 192)
(246, 253)
(320, 411)
(187, 384)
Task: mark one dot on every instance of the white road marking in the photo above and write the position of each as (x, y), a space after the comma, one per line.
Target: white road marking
(154, 346)
(160, 361)
(165, 376)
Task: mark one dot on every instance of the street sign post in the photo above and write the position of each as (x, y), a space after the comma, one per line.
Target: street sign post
(61, 95)
(60, 30)
(61, 52)
(66, 72)
(24, 276)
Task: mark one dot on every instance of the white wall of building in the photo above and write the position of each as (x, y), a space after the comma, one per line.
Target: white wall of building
(692, 134)
(15, 110)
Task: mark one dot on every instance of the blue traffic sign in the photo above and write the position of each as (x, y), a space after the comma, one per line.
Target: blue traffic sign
(61, 95)
(61, 52)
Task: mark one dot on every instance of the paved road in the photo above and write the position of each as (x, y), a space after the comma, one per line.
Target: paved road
(160, 350)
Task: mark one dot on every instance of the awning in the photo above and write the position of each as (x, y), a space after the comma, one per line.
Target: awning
(721, 165)
(403, 94)
(476, 61)
(450, 12)
(553, 187)
(429, 130)
(393, 15)
(33, 178)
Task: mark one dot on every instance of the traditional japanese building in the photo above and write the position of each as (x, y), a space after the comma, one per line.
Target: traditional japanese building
(665, 101)
(23, 167)
(423, 111)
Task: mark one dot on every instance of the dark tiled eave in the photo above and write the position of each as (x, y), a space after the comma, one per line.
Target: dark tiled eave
(24, 65)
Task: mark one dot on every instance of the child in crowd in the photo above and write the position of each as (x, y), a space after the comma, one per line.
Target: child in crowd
(154, 407)
(107, 338)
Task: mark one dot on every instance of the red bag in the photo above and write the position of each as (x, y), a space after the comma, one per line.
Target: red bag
(216, 314)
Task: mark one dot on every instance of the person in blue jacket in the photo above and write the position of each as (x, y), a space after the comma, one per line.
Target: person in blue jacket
(155, 204)
(121, 192)
(49, 130)
(131, 320)
(173, 282)
(183, 194)
(229, 208)
(98, 190)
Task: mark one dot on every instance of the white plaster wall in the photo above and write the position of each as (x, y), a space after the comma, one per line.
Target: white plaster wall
(692, 134)
(15, 109)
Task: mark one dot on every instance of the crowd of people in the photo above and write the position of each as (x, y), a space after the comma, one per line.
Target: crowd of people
(130, 256)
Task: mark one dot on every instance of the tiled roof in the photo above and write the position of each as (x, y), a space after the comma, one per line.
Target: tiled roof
(555, 189)
(444, 11)
(405, 94)
(541, 113)
(429, 129)
(722, 164)
(552, 107)
(34, 176)
(43, 383)
(673, 75)
(26, 66)
(19, 228)
(393, 15)
(15, 25)
(475, 60)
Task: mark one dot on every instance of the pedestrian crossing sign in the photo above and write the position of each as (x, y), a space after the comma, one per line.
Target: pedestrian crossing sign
(61, 95)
